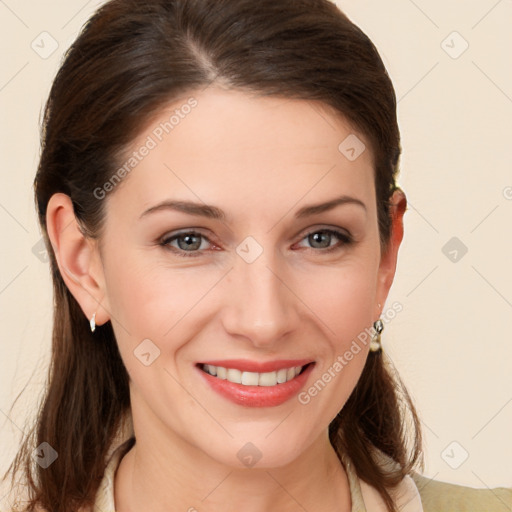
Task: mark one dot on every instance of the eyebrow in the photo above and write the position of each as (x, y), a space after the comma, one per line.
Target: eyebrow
(213, 212)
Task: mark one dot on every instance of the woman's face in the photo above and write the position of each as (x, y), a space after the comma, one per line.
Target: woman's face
(247, 280)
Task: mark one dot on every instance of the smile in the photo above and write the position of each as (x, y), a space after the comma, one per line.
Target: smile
(255, 384)
(253, 378)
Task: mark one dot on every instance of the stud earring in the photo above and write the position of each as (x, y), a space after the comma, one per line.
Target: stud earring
(375, 343)
(93, 322)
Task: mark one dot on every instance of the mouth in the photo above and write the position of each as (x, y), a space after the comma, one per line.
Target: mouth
(248, 378)
(252, 384)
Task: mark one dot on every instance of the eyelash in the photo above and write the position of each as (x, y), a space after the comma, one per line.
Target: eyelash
(346, 240)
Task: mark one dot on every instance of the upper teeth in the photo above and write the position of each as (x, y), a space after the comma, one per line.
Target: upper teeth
(253, 378)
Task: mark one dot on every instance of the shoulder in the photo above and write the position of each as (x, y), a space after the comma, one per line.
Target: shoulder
(437, 496)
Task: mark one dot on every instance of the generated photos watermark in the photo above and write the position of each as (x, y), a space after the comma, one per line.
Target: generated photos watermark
(362, 339)
(151, 142)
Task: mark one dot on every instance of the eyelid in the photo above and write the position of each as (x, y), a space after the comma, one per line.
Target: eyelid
(315, 229)
(173, 235)
(344, 237)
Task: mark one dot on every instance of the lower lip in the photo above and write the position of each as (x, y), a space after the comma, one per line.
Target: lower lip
(257, 396)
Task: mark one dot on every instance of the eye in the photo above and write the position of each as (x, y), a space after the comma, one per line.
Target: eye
(188, 243)
(321, 238)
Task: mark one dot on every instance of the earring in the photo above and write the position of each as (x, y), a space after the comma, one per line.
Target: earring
(93, 322)
(375, 344)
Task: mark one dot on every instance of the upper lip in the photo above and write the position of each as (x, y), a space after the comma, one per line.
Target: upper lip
(245, 365)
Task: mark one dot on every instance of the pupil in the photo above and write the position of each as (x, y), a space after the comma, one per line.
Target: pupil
(189, 240)
(317, 237)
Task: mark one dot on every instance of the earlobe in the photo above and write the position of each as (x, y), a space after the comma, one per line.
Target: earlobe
(77, 258)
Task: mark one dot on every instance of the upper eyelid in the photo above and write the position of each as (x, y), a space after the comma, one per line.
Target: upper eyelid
(171, 235)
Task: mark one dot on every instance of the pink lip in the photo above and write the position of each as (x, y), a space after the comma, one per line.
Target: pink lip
(256, 396)
(244, 365)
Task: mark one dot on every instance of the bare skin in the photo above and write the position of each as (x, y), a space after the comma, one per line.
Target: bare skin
(260, 160)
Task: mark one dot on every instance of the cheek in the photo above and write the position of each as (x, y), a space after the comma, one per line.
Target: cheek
(142, 293)
(155, 302)
(345, 311)
(343, 301)
(343, 298)
(141, 304)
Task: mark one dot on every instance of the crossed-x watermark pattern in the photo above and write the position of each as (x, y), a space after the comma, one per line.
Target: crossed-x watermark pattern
(458, 253)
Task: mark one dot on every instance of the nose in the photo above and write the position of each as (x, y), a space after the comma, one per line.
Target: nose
(259, 303)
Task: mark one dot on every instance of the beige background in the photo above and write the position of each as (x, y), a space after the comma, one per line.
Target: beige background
(452, 342)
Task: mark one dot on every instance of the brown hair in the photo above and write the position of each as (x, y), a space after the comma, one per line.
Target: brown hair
(130, 59)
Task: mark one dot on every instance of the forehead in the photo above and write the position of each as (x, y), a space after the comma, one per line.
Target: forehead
(222, 145)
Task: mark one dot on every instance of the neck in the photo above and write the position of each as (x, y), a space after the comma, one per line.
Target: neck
(166, 473)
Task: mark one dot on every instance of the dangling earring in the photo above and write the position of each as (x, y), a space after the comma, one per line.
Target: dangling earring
(375, 343)
(93, 322)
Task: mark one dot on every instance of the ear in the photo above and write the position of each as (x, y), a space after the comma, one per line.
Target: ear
(78, 258)
(387, 267)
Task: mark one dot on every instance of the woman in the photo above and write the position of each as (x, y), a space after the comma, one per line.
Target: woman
(217, 193)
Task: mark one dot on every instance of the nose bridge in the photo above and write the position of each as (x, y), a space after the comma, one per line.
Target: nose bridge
(260, 304)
